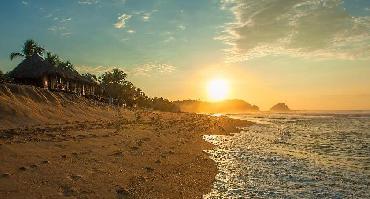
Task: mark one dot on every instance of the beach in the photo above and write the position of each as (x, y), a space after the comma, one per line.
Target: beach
(121, 154)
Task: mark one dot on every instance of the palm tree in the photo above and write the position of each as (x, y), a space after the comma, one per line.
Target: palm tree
(30, 48)
(69, 66)
(91, 77)
(53, 59)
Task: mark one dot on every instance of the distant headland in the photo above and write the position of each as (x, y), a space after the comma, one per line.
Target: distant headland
(225, 106)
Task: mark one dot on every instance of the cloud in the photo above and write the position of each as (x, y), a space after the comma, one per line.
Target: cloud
(88, 2)
(169, 39)
(25, 3)
(66, 34)
(152, 68)
(181, 27)
(121, 21)
(131, 31)
(60, 26)
(66, 20)
(97, 70)
(147, 15)
(146, 70)
(304, 28)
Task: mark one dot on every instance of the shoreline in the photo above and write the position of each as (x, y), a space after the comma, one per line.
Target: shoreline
(141, 154)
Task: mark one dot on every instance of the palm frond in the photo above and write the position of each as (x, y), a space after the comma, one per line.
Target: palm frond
(14, 55)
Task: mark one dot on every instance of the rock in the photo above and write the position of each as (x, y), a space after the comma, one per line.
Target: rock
(280, 107)
(64, 156)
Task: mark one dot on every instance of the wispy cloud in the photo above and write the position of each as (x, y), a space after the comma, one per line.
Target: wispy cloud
(153, 68)
(97, 70)
(60, 25)
(66, 20)
(121, 21)
(181, 27)
(146, 70)
(146, 16)
(308, 28)
(169, 39)
(88, 2)
(25, 3)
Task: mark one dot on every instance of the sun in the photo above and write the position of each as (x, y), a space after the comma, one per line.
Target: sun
(217, 89)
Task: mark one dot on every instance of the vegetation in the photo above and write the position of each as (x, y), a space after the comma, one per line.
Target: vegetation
(4, 77)
(91, 77)
(225, 106)
(113, 84)
(29, 49)
(1, 76)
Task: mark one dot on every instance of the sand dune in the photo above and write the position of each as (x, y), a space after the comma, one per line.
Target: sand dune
(22, 106)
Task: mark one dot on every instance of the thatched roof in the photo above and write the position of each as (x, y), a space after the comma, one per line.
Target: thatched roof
(33, 68)
(36, 67)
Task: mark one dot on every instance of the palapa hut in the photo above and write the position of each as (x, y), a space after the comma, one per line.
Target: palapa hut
(36, 71)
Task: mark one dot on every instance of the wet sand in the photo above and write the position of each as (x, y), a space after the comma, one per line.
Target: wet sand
(137, 154)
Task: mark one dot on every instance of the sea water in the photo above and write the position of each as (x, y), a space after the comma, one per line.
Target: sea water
(296, 155)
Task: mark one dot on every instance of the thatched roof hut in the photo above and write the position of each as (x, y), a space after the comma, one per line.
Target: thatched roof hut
(34, 67)
(36, 71)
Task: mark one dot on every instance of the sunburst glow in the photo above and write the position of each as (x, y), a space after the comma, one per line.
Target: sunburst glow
(217, 89)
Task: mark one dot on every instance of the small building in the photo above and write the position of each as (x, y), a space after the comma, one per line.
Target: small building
(38, 72)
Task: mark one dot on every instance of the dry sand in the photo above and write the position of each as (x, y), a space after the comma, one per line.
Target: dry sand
(104, 153)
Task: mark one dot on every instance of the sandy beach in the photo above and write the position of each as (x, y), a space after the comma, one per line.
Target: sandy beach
(123, 154)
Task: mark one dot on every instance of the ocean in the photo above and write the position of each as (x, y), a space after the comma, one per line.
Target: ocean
(295, 155)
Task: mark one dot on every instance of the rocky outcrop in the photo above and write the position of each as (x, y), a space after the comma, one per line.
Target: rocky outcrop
(280, 107)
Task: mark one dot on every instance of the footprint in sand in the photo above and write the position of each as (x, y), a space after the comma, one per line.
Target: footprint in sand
(149, 169)
(45, 162)
(23, 168)
(123, 193)
(134, 148)
(75, 177)
(6, 175)
(34, 166)
(69, 191)
(117, 153)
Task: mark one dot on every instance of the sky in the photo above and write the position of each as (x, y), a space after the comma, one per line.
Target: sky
(310, 54)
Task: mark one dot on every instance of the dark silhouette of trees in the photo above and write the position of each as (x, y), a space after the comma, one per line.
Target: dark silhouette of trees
(29, 49)
(4, 77)
(112, 83)
(1, 76)
(53, 59)
(163, 105)
(90, 77)
(115, 85)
